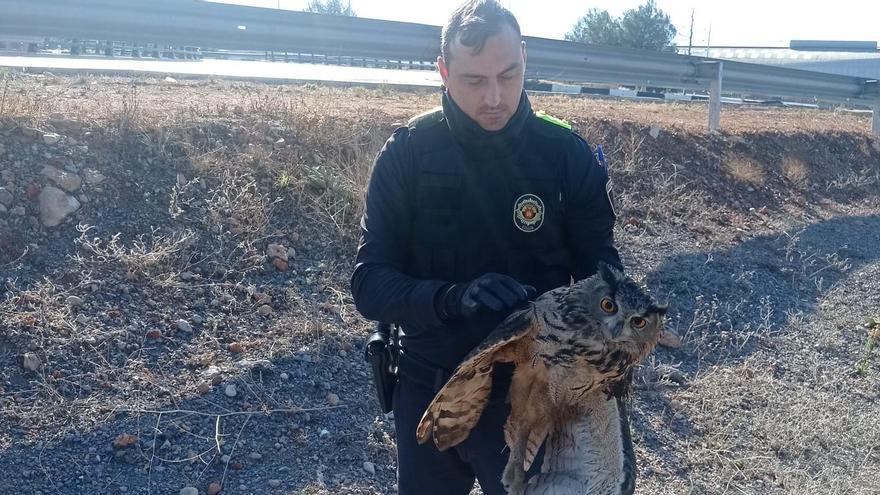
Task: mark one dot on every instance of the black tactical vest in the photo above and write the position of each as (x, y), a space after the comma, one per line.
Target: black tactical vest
(479, 213)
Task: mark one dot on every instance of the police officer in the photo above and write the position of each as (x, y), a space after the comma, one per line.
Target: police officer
(473, 209)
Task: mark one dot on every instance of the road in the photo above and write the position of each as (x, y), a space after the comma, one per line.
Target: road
(234, 69)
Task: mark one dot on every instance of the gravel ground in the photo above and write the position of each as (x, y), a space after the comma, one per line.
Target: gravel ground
(189, 324)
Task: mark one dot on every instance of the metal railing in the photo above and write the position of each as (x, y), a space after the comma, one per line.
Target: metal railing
(233, 27)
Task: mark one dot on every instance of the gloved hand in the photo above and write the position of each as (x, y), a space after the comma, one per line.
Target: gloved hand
(491, 291)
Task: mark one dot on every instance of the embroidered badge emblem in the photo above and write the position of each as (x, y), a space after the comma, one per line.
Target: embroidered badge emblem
(528, 212)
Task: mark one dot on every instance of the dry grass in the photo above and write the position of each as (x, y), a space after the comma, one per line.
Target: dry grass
(795, 170)
(744, 170)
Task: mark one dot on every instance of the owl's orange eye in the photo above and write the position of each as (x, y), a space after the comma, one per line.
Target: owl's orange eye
(608, 306)
(639, 322)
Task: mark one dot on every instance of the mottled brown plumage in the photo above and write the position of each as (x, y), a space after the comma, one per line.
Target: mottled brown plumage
(573, 349)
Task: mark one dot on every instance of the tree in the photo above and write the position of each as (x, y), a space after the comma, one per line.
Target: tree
(645, 27)
(332, 7)
(597, 27)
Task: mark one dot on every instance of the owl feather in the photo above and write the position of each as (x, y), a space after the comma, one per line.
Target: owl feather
(573, 350)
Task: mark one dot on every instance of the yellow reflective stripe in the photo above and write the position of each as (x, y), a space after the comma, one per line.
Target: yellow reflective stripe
(553, 120)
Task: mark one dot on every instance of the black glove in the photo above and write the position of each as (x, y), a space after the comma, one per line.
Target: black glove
(491, 291)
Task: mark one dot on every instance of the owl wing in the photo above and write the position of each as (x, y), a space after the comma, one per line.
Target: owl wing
(458, 405)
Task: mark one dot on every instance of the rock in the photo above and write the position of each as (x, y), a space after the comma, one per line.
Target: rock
(230, 390)
(30, 361)
(654, 132)
(277, 251)
(262, 298)
(66, 180)
(3, 209)
(670, 339)
(73, 301)
(82, 319)
(51, 138)
(187, 276)
(333, 399)
(324, 433)
(264, 310)
(280, 265)
(55, 206)
(255, 456)
(284, 376)
(369, 467)
(274, 483)
(18, 211)
(6, 197)
(170, 79)
(184, 326)
(235, 347)
(214, 488)
(198, 320)
(154, 334)
(189, 491)
(93, 177)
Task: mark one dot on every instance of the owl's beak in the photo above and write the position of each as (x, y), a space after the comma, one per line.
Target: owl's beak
(617, 329)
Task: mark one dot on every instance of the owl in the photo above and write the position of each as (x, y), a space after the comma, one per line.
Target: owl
(573, 350)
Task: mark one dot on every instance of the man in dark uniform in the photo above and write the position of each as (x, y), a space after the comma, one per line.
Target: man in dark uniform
(472, 210)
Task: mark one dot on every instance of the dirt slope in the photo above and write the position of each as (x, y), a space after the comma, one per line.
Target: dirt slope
(193, 295)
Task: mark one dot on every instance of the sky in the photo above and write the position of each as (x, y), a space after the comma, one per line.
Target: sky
(719, 22)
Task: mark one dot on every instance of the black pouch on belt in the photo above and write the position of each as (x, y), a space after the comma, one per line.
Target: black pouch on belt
(381, 352)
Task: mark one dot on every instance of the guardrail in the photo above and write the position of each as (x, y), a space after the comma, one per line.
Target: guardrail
(233, 27)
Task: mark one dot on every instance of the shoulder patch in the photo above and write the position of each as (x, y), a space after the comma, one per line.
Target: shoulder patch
(427, 119)
(553, 120)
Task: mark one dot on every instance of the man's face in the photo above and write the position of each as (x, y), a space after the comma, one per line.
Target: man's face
(486, 86)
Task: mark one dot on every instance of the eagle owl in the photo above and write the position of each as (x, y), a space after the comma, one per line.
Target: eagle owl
(573, 349)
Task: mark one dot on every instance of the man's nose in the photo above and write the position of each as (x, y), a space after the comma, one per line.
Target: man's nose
(492, 98)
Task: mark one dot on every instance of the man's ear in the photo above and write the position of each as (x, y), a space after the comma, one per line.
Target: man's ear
(525, 57)
(444, 71)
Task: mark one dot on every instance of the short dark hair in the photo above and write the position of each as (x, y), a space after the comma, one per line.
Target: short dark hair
(473, 23)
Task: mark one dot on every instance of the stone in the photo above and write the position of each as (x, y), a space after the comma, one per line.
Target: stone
(73, 301)
(30, 361)
(198, 320)
(324, 433)
(55, 206)
(262, 298)
(93, 177)
(6, 197)
(264, 310)
(66, 180)
(255, 456)
(280, 265)
(284, 376)
(18, 211)
(190, 490)
(184, 326)
(669, 339)
(231, 391)
(214, 488)
(333, 399)
(274, 483)
(654, 132)
(277, 251)
(369, 467)
(51, 138)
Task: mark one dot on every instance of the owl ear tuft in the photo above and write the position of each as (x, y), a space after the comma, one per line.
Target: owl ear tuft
(609, 274)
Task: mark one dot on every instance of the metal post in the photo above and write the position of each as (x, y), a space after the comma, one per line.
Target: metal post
(715, 97)
(875, 125)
